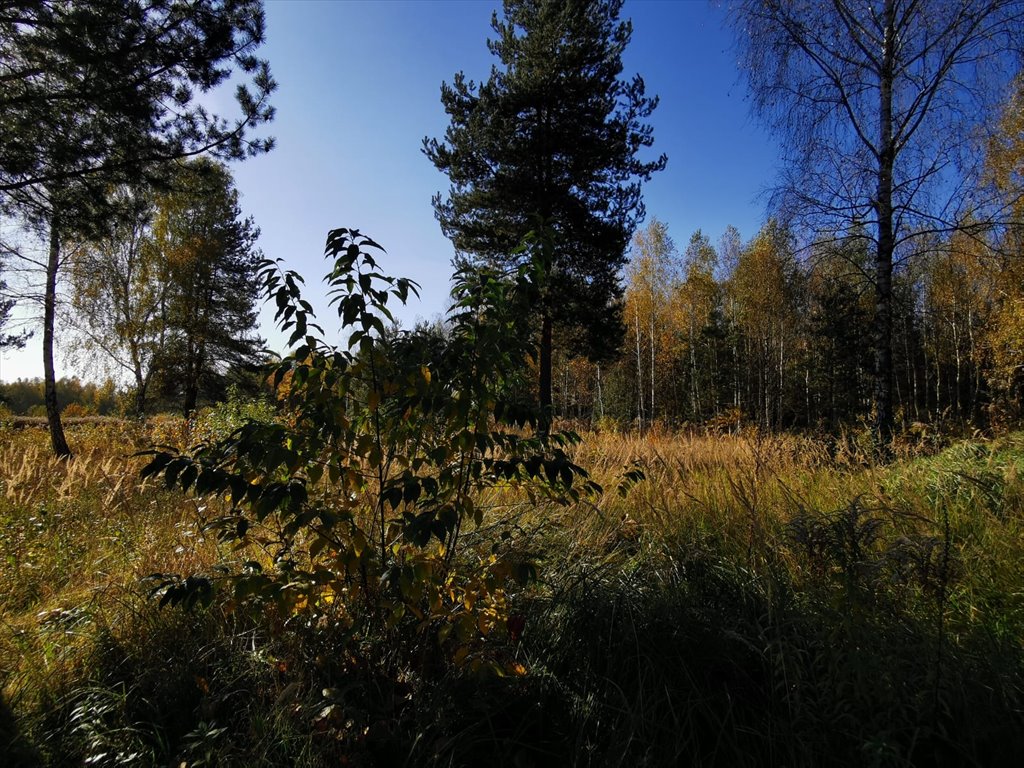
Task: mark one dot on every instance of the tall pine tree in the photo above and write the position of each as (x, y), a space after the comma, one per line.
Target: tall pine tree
(550, 142)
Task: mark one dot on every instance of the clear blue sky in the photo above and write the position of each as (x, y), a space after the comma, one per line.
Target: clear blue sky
(359, 86)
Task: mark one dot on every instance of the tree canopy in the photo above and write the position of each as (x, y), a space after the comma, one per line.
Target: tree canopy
(109, 87)
(209, 263)
(169, 296)
(99, 94)
(6, 305)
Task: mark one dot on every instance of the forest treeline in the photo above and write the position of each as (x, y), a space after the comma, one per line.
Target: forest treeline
(777, 332)
(24, 397)
(884, 290)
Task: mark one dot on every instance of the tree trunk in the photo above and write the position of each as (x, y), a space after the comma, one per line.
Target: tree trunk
(883, 426)
(958, 361)
(736, 384)
(926, 369)
(140, 394)
(779, 401)
(194, 369)
(652, 356)
(938, 372)
(911, 366)
(565, 391)
(544, 424)
(57, 439)
(639, 373)
(977, 397)
(191, 397)
(695, 405)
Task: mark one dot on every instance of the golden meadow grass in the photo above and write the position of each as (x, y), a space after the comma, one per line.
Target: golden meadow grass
(942, 553)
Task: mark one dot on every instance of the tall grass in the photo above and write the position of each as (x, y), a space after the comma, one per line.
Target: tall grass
(772, 600)
(756, 602)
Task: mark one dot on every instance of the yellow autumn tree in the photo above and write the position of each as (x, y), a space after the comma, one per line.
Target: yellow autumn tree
(649, 277)
(1004, 335)
(762, 290)
(694, 302)
(958, 303)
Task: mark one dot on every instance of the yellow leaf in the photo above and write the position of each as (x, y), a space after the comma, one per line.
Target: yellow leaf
(358, 542)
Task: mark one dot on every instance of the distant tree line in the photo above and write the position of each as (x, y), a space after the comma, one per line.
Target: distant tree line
(777, 334)
(25, 397)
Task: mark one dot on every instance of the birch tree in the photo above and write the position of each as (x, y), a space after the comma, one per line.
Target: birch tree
(696, 298)
(876, 104)
(649, 278)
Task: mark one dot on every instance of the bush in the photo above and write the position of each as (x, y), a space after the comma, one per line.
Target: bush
(360, 497)
(220, 421)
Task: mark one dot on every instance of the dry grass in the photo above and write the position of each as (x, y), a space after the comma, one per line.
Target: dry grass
(76, 538)
(729, 489)
(842, 599)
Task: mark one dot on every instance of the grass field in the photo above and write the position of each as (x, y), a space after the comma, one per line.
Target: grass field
(754, 601)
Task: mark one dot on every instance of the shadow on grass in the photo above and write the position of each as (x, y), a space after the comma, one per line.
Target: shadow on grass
(660, 660)
(14, 746)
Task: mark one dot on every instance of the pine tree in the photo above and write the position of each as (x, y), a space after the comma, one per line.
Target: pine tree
(839, 312)
(8, 340)
(207, 251)
(550, 142)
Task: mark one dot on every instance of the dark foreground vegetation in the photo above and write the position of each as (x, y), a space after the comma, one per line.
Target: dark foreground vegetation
(754, 601)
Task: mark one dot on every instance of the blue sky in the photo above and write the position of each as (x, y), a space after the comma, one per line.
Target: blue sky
(359, 86)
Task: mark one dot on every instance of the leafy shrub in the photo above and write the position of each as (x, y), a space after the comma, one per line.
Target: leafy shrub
(219, 421)
(359, 498)
(77, 410)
